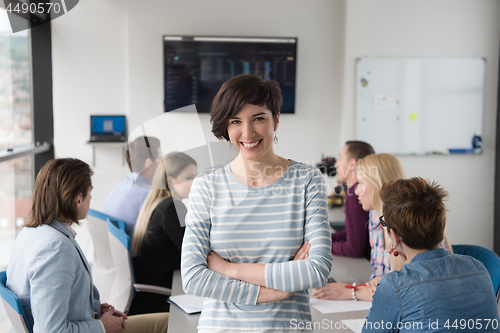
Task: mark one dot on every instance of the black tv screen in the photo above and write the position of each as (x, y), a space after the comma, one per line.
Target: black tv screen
(197, 66)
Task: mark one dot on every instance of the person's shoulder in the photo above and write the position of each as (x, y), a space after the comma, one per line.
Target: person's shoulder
(42, 238)
(209, 176)
(124, 189)
(172, 209)
(431, 268)
(388, 283)
(303, 170)
(307, 175)
(52, 234)
(44, 231)
(301, 165)
(466, 262)
(127, 181)
(389, 279)
(164, 208)
(165, 205)
(213, 171)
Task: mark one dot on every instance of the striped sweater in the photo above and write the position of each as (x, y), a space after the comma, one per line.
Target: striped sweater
(256, 225)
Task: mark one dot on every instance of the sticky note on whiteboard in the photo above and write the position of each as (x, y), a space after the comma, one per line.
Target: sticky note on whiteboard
(413, 116)
(384, 101)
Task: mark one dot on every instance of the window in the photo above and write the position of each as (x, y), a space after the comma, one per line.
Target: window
(15, 88)
(16, 177)
(21, 157)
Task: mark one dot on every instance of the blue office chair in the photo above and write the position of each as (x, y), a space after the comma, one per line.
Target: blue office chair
(95, 213)
(13, 307)
(103, 268)
(124, 287)
(489, 259)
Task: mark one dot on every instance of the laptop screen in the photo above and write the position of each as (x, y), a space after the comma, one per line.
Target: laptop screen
(107, 126)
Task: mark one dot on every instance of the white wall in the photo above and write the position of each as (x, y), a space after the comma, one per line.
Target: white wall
(89, 77)
(319, 28)
(107, 58)
(445, 28)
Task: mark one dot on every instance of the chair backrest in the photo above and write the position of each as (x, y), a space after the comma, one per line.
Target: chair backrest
(489, 259)
(122, 290)
(103, 268)
(13, 307)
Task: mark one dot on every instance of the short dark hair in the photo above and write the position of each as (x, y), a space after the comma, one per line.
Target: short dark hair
(358, 149)
(414, 208)
(140, 152)
(241, 90)
(57, 186)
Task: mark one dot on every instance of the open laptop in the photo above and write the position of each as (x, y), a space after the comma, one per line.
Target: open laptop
(104, 128)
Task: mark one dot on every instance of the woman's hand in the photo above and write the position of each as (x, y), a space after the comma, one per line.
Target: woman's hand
(267, 295)
(303, 252)
(334, 290)
(372, 284)
(251, 272)
(217, 264)
(247, 272)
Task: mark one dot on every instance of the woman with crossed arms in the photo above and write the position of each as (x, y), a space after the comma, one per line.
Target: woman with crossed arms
(247, 219)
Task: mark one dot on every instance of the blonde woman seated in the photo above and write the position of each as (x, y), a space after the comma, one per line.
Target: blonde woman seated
(372, 171)
(158, 234)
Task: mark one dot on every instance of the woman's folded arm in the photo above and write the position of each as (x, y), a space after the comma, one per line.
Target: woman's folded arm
(197, 279)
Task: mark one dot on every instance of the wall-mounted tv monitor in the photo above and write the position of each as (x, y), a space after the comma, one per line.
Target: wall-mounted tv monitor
(197, 66)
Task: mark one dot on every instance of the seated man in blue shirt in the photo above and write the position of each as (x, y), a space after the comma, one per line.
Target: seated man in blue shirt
(125, 200)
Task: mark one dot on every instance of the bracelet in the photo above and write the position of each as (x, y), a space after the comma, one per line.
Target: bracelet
(354, 287)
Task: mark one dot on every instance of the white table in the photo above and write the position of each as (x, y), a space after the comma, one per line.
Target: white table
(343, 270)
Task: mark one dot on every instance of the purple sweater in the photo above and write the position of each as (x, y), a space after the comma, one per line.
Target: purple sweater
(353, 240)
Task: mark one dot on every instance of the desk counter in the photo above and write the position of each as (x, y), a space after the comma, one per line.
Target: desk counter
(343, 270)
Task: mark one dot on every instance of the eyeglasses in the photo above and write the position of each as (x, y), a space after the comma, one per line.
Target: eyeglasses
(382, 221)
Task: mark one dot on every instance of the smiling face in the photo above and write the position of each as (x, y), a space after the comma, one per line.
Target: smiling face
(252, 130)
(364, 191)
(181, 185)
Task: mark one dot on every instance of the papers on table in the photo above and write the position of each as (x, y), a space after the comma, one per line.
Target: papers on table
(329, 306)
(188, 303)
(355, 325)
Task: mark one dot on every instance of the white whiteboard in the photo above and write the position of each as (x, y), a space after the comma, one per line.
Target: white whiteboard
(419, 105)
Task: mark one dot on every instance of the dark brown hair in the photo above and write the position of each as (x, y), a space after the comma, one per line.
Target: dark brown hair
(241, 90)
(57, 186)
(358, 149)
(140, 152)
(415, 210)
